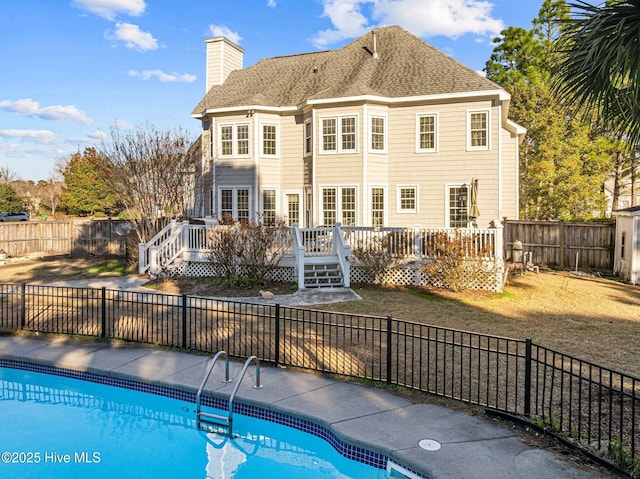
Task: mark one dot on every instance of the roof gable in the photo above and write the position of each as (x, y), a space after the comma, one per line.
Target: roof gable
(406, 66)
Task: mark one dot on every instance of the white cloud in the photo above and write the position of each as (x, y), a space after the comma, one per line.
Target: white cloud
(110, 8)
(132, 37)
(28, 107)
(271, 3)
(222, 31)
(97, 136)
(38, 136)
(163, 77)
(425, 18)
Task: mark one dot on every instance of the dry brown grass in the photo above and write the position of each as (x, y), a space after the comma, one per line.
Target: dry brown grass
(594, 319)
(591, 318)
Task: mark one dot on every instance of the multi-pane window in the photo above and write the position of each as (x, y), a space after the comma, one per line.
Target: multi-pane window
(226, 205)
(458, 207)
(348, 206)
(329, 134)
(377, 133)
(226, 140)
(293, 209)
(427, 133)
(407, 199)
(377, 207)
(339, 204)
(269, 207)
(234, 204)
(243, 205)
(339, 134)
(308, 131)
(243, 139)
(234, 140)
(479, 129)
(348, 132)
(269, 140)
(329, 206)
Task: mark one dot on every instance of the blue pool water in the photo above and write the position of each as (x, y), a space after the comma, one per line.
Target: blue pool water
(58, 427)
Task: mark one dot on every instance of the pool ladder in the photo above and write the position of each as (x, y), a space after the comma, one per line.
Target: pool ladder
(205, 420)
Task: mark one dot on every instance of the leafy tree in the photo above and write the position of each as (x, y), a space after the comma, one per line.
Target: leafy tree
(86, 190)
(563, 160)
(10, 201)
(599, 65)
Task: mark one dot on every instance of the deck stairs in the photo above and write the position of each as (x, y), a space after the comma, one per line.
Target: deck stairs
(323, 272)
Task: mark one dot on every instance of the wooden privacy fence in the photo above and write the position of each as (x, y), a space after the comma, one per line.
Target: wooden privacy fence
(73, 237)
(562, 245)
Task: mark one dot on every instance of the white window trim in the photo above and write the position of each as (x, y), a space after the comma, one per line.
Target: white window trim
(385, 217)
(339, 201)
(399, 208)
(385, 135)
(234, 146)
(447, 202)
(338, 149)
(488, 145)
(234, 211)
(262, 125)
(436, 132)
(307, 124)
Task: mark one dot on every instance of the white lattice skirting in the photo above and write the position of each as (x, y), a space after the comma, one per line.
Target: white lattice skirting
(407, 275)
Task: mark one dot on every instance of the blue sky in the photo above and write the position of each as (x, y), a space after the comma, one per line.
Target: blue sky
(73, 69)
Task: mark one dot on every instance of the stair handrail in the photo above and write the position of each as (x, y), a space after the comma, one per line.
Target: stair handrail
(258, 385)
(343, 251)
(298, 254)
(212, 363)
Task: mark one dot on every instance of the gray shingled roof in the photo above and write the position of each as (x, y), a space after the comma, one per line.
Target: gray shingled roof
(407, 66)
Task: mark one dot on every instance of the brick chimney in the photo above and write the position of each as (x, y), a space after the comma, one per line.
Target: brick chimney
(223, 56)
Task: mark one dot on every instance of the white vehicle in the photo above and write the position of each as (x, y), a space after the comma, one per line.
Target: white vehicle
(22, 216)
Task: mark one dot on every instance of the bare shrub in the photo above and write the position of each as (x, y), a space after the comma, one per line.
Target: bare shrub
(245, 253)
(456, 263)
(377, 258)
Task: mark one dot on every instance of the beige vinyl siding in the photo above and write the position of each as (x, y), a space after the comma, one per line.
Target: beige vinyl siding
(510, 207)
(452, 164)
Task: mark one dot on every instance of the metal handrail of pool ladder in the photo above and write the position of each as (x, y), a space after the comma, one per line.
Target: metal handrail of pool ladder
(216, 419)
(199, 413)
(258, 385)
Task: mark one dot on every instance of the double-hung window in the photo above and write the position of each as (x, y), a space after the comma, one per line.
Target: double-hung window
(339, 134)
(478, 130)
(234, 139)
(269, 139)
(426, 138)
(308, 138)
(377, 134)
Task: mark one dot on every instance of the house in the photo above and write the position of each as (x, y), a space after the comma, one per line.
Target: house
(385, 131)
(626, 259)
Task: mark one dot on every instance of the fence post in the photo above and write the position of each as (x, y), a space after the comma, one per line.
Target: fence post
(184, 321)
(103, 312)
(389, 355)
(277, 353)
(527, 378)
(23, 303)
(561, 241)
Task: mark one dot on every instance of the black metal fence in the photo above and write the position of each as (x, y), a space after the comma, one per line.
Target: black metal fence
(593, 408)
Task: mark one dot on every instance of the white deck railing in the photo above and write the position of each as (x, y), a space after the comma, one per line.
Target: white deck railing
(191, 243)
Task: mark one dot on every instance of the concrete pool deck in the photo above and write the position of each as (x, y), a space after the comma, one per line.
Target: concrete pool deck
(471, 447)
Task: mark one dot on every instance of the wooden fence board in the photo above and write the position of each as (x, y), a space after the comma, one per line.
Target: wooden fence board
(560, 244)
(77, 238)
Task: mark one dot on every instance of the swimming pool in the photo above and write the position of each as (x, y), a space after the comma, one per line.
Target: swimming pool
(55, 426)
